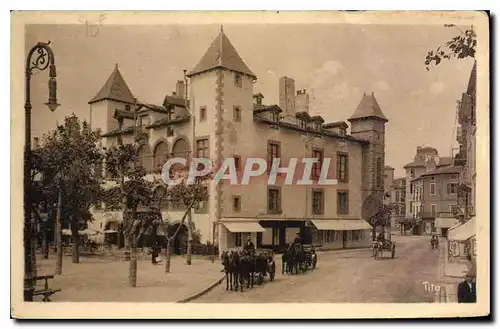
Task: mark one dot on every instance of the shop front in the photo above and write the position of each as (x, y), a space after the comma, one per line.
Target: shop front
(235, 232)
(460, 248)
(341, 233)
(443, 224)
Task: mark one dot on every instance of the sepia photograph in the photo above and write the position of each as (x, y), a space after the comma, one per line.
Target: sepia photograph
(226, 162)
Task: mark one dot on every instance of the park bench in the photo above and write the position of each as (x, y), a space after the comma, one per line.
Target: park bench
(46, 292)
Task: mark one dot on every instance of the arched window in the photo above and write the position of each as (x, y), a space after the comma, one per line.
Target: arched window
(180, 149)
(160, 156)
(145, 157)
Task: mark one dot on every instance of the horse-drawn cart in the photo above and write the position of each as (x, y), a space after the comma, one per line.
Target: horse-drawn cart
(243, 266)
(310, 255)
(380, 246)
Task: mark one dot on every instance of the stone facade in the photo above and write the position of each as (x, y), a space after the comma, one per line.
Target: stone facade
(221, 98)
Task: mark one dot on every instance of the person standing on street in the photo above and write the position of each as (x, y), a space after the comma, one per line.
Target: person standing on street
(466, 292)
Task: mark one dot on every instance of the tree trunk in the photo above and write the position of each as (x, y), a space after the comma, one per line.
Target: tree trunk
(170, 239)
(190, 238)
(59, 258)
(75, 250)
(34, 221)
(132, 276)
(168, 253)
(45, 242)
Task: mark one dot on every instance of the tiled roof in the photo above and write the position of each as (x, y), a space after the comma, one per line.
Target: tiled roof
(123, 114)
(166, 122)
(266, 108)
(317, 118)
(154, 108)
(445, 161)
(335, 124)
(368, 108)
(221, 53)
(292, 126)
(115, 89)
(444, 170)
(116, 132)
(174, 100)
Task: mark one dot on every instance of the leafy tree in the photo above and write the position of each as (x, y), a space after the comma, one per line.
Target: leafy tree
(381, 218)
(65, 162)
(131, 192)
(460, 47)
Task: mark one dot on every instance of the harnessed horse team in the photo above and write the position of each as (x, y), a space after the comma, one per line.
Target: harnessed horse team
(242, 266)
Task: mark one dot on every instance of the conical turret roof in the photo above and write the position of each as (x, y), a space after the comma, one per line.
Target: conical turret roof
(115, 89)
(368, 108)
(221, 54)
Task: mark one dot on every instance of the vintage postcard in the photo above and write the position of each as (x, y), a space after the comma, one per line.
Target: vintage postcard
(309, 164)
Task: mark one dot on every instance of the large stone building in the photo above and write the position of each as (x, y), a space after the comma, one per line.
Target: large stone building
(230, 120)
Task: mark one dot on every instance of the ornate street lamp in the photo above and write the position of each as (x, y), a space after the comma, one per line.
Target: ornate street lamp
(43, 58)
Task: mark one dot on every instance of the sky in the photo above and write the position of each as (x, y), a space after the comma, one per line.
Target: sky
(335, 63)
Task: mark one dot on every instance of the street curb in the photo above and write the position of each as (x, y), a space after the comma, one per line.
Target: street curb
(202, 292)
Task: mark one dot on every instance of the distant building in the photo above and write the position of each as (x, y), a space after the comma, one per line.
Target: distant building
(232, 121)
(421, 164)
(436, 192)
(397, 196)
(466, 137)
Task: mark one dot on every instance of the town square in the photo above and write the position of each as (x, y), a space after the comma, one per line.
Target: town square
(310, 163)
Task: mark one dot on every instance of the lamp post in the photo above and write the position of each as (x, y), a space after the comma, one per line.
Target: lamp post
(43, 58)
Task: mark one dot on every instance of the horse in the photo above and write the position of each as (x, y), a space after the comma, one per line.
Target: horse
(228, 262)
(288, 261)
(245, 269)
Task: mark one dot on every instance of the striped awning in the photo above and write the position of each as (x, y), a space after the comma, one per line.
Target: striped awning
(341, 224)
(463, 232)
(243, 227)
(445, 222)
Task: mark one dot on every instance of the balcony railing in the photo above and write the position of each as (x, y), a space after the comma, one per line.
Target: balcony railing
(427, 214)
(447, 214)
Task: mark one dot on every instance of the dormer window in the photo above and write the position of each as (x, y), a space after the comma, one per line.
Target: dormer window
(170, 114)
(275, 116)
(302, 124)
(238, 80)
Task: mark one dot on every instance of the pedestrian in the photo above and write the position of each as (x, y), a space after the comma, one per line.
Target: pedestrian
(466, 292)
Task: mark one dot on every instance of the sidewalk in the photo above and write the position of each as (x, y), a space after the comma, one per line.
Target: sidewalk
(98, 280)
(448, 290)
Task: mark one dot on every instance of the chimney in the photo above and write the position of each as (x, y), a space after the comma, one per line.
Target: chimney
(302, 101)
(180, 89)
(287, 95)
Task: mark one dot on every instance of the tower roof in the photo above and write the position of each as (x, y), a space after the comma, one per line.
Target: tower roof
(368, 108)
(221, 54)
(115, 89)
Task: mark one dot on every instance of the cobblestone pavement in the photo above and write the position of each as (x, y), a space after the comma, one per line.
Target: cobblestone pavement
(349, 277)
(98, 280)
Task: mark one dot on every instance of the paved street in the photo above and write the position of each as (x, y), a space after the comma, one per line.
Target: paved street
(349, 277)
